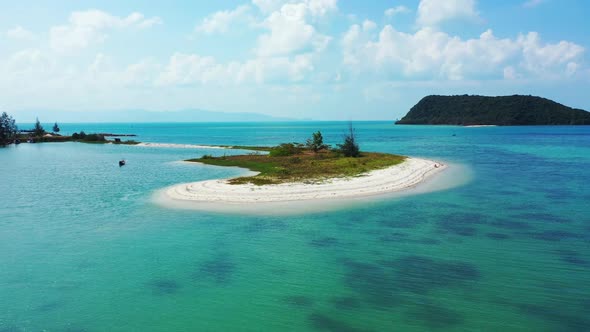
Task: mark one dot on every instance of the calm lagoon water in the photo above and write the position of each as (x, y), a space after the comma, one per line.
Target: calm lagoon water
(84, 248)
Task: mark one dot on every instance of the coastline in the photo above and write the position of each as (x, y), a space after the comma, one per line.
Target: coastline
(392, 179)
(180, 146)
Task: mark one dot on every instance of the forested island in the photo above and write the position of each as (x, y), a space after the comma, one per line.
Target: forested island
(516, 110)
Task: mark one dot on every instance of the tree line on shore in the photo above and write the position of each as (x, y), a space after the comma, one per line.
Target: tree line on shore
(10, 133)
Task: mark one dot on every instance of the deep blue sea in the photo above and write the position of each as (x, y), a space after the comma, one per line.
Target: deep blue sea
(83, 247)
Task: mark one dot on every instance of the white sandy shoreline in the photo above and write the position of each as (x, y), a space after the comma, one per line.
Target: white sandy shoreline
(396, 178)
(181, 146)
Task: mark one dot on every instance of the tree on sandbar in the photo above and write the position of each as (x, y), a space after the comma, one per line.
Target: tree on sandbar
(350, 147)
(316, 142)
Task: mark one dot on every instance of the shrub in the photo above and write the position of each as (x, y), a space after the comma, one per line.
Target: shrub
(284, 150)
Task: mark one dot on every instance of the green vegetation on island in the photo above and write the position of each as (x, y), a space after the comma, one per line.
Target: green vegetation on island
(8, 129)
(514, 110)
(9, 134)
(310, 162)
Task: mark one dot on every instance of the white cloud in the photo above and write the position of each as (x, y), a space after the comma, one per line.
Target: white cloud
(90, 27)
(269, 6)
(149, 22)
(219, 22)
(20, 33)
(28, 61)
(369, 25)
(543, 59)
(290, 31)
(390, 12)
(317, 8)
(434, 12)
(186, 69)
(321, 7)
(191, 68)
(532, 3)
(432, 54)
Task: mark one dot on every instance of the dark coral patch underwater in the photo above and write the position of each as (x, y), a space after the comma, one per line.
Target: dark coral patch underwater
(220, 270)
(164, 286)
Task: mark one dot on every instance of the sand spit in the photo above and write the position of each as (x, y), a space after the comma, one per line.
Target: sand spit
(392, 179)
(180, 146)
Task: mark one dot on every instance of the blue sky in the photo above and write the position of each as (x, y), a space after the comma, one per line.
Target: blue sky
(318, 59)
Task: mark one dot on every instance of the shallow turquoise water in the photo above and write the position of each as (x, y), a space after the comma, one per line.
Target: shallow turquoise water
(83, 247)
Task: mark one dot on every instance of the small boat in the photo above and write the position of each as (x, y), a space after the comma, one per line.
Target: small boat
(121, 163)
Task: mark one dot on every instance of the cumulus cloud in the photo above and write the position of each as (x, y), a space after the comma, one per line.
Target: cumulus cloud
(321, 7)
(20, 33)
(28, 61)
(186, 69)
(90, 27)
(219, 22)
(391, 12)
(316, 7)
(432, 54)
(434, 12)
(269, 6)
(369, 25)
(544, 58)
(290, 31)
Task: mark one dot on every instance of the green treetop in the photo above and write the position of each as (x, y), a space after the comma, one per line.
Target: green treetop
(8, 129)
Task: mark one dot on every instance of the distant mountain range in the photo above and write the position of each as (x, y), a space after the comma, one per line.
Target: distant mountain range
(49, 116)
(503, 111)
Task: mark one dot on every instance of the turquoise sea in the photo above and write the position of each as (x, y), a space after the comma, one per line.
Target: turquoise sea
(83, 247)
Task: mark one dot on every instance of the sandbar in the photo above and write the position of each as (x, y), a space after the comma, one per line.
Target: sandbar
(180, 146)
(395, 178)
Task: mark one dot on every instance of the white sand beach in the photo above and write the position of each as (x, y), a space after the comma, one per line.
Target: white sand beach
(180, 146)
(396, 178)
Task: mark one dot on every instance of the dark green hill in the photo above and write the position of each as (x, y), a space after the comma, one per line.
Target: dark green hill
(503, 111)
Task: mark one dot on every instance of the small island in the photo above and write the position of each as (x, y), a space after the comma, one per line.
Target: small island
(294, 163)
(302, 172)
(471, 110)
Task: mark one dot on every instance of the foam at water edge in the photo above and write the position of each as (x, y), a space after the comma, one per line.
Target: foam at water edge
(181, 146)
